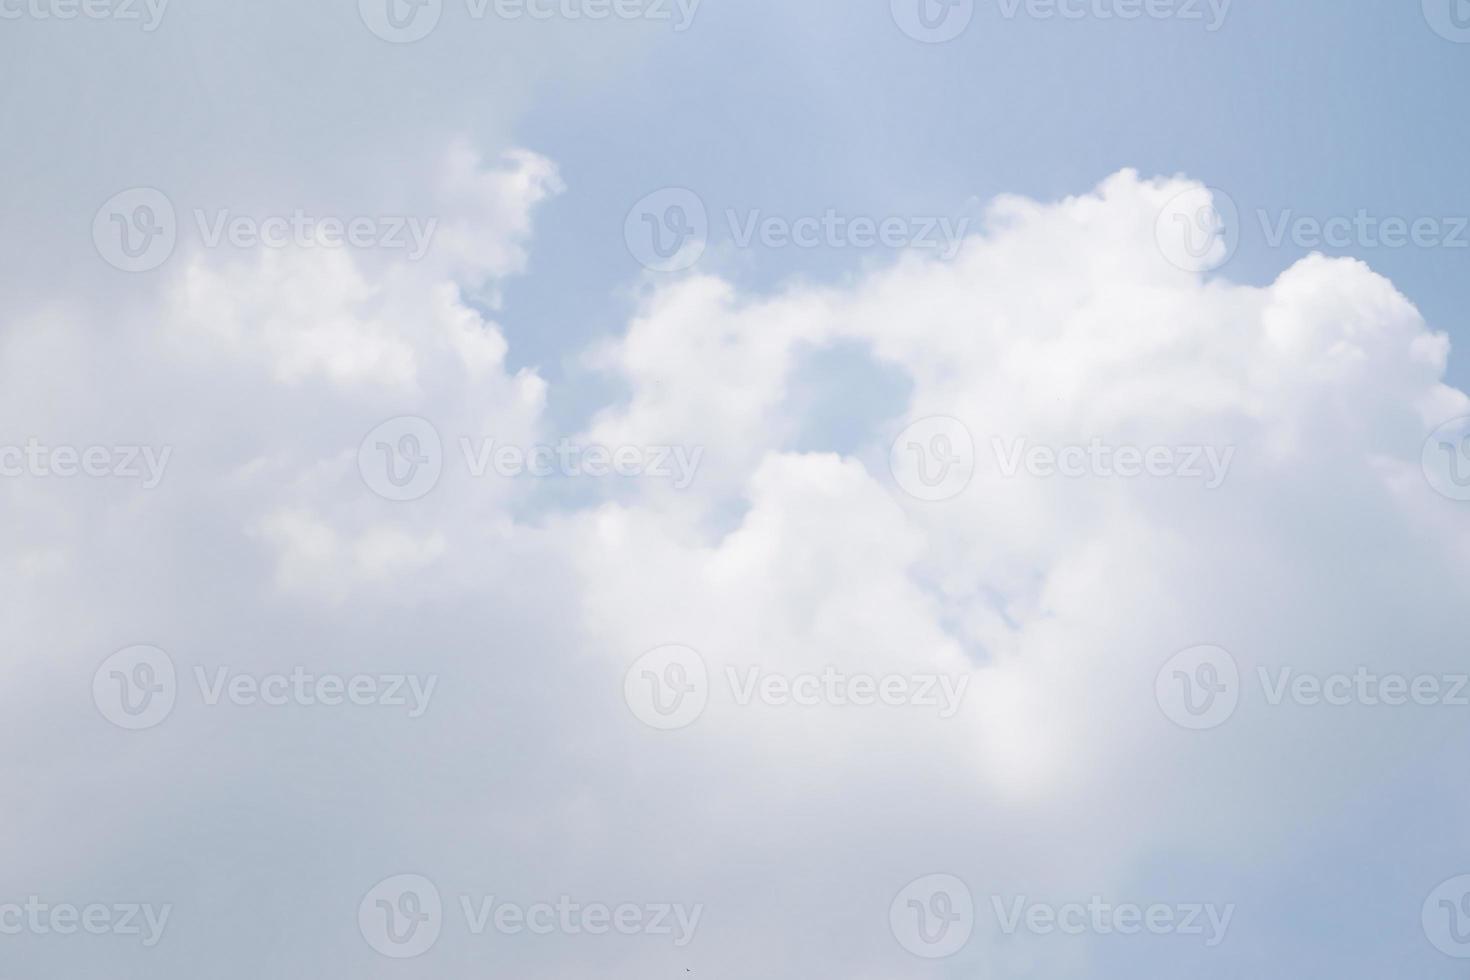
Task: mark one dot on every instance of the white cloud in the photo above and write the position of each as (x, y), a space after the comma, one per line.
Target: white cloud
(1059, 599)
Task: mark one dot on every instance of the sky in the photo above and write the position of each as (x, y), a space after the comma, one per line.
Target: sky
(641, 488)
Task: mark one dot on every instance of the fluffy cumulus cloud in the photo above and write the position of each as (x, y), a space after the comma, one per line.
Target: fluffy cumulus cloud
(1276, 508)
